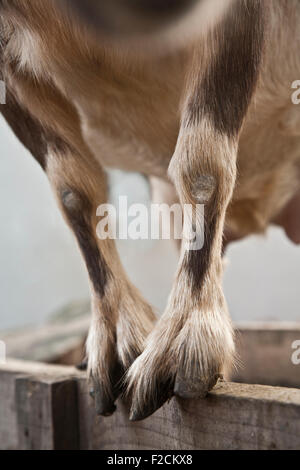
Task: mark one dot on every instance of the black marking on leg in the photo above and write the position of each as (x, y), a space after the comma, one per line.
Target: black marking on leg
(197, 262)
(159, 8)
(79, 213)
(27, 129)
(225, 92)
(127, 17)
(37, 138)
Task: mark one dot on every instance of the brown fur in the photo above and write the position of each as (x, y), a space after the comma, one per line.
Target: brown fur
(212, 117)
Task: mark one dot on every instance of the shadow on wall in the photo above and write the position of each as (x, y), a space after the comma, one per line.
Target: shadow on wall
(41, 269)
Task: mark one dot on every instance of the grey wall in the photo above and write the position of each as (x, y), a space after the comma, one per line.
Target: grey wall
(41, 269)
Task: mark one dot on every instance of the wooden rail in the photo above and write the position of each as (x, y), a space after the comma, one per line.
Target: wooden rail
(48, 407)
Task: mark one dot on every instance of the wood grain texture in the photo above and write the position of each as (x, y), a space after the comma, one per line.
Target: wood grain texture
(49, 407)
(8, 415)
(38, 406)
(233, 416)
(47, 416)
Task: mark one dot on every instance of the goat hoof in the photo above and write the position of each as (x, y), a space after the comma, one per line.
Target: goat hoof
(105, 396)
(194, 387)
(104, 401)
(104, 404)
(183, 388)
(83, 365)
(148, 410)
(164, 393)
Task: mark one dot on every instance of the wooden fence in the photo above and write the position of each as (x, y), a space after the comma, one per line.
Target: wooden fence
(45, 406)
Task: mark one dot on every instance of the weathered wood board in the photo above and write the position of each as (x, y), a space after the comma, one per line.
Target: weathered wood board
(38, 406)
(233, 416)
(49, 407)
(265, 352)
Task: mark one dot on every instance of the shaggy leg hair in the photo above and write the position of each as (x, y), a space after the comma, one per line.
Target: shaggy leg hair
(121, 319)
(221, 98)
(193, 342)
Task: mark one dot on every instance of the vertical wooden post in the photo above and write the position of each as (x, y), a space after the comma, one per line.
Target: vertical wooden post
(38, 406)
(47, 416)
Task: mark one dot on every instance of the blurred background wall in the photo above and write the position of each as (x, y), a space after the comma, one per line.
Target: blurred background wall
(41, 269)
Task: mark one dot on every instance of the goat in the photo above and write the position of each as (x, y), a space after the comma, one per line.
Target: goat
(207, 113)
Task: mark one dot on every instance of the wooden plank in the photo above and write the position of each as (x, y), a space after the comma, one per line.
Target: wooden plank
(47, 413)
(233, 416)
(8, 416)
(265, 351)
(38, 406)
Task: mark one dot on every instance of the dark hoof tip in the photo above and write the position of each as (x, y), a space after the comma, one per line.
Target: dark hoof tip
(139, 416)
(164, 393)
(105, 397)
(104, 404)
(82, 366)
(136, 415)
(107, 411)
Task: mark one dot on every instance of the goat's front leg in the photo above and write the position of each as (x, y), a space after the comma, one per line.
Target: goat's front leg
(193, 344)
(121, 319)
